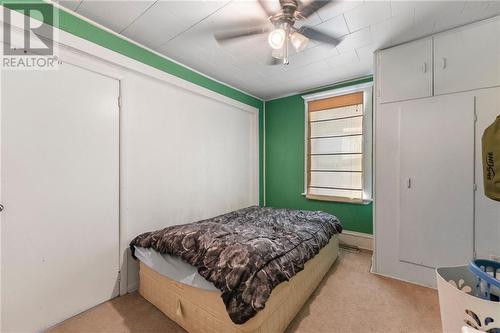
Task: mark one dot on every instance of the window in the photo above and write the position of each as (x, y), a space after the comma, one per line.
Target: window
(338, 145)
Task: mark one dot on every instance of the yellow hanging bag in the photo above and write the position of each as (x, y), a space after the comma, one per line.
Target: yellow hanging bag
(491, 160)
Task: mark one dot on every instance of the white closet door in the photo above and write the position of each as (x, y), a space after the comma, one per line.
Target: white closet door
(60, 189)
(436, 181)
(467, 58)
(406, 71)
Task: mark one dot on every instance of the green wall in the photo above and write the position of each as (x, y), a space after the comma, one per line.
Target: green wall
(284, 163)
(83, 29)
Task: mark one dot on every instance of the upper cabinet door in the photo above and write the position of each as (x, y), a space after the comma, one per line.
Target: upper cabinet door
(468, 58)
(405, 72)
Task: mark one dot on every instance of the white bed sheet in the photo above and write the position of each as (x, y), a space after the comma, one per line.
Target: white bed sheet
(173, 268)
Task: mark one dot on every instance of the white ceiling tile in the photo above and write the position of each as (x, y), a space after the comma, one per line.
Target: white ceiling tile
(166, 19)
(436, 16)
(70, 4)
(385, 32)
(416, 31)
(311, 55)
(475, 8)
(399, 7)
(367, 14)
(365, 53)
(355, 40)
(429, 17)
(472, 11)
(363, 69)
(115, 15)
(237, 13)
(337, 8)
(447, 22)
(494, 8)
(425, 10)
(340, 74)
(317, 81)
(345, 60)
(316, 68)
(335, 26)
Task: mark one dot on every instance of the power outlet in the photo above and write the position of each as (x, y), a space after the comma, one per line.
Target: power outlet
(495, 257)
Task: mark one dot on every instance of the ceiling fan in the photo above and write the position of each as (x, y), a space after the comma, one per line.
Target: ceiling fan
(284, 32)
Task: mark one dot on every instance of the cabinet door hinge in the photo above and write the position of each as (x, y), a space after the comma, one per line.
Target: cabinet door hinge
(119, 101)
(474, 187)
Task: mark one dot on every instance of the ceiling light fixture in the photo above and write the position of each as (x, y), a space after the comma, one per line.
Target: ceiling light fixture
(277, 38)
(299, 41)
(286, 28)
(278, 53)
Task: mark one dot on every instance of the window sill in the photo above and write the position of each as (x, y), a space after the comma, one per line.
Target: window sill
(337, 199)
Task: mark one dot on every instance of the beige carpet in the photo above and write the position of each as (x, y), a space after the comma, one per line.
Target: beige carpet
(349, 299)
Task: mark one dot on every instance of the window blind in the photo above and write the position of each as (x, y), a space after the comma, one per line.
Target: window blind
(335, 147)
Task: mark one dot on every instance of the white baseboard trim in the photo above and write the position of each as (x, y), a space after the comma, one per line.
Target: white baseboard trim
(359, 239)
(402, 280)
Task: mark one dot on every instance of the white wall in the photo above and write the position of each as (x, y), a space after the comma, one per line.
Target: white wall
(185, 157)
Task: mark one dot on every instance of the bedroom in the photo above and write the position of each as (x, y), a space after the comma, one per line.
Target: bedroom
(250, 166)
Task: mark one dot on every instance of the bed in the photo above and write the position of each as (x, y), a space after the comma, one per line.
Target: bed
(202, 276)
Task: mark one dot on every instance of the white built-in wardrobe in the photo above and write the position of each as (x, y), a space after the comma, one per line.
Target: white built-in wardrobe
(434, 98)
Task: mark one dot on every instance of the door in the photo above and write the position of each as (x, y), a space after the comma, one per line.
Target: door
(468, 58)
(436, 181)
(60, 189)
(406, 71)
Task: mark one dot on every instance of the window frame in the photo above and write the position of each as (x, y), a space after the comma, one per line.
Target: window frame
(367, 159)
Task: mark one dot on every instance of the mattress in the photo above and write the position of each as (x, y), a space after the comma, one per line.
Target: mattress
(247, 252)
(202, 311)
(173, 268)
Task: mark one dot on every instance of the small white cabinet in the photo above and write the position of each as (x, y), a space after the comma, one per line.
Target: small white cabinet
(467, 58)
(406, 71)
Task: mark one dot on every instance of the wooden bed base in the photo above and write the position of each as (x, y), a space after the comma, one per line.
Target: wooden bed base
(202, 311)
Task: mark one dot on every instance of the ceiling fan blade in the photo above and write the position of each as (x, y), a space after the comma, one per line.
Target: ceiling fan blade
(227, 36)
(264, 7)
(313, 7)
(319, 36)
(272, 61)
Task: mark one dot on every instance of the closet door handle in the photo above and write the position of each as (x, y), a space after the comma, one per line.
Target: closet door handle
(408, 183)
(443, 62)
(424, 67)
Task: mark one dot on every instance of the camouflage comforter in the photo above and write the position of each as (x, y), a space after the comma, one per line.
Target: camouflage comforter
(248, 252)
